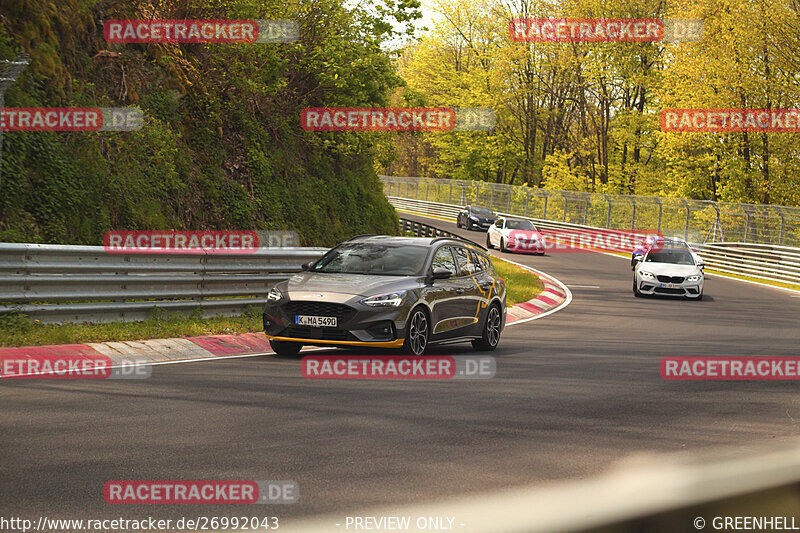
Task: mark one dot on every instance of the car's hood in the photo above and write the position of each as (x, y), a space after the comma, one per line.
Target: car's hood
(356, 284)
(670, 269)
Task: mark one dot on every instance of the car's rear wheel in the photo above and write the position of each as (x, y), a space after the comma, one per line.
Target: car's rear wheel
(491, 331)
(488, 241)
(285, 348)
(417, 333)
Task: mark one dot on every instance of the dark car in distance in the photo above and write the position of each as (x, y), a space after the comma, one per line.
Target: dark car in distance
(472, 217)
(390, 292)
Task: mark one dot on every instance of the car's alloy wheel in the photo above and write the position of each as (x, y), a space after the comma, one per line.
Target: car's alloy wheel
(491, 331)
(503, 245)
(417, 334)
(285, 348)
(636, 289)
(488, 241)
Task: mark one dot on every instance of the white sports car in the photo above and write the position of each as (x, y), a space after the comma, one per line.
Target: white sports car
(670, 270)
(512, 235)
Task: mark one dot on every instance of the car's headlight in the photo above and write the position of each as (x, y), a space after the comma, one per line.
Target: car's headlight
(392, 299)
(473, 217)
(696, 277)
(274, 295)
(645, 274)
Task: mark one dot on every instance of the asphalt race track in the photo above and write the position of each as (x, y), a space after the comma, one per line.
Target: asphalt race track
(574, 392)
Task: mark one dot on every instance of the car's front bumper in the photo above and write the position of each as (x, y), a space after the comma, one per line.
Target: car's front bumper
(687, 289)
(357, 324)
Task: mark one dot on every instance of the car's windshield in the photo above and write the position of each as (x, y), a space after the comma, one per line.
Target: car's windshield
(676, 257)
(481, 211)
(374, 259)
(519, 224)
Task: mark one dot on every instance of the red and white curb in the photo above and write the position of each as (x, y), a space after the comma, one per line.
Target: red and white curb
(156, 351)
(555, 297)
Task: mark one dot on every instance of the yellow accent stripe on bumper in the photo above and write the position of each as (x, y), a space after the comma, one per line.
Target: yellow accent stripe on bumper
(382, 344)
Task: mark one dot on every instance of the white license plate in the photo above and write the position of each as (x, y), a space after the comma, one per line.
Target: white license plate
(316, 321)
(671, 286)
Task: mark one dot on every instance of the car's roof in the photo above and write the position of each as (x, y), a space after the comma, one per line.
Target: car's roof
(412, 241)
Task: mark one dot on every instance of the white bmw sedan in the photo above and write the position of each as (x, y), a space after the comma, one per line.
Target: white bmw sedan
(671, 271)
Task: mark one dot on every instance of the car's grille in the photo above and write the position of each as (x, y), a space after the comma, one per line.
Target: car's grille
(326, 334)
(670, 279)
(340, 311)
(668, 291)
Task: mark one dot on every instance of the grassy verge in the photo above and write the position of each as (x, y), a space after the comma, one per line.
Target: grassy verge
(18, 330)
(521, 284)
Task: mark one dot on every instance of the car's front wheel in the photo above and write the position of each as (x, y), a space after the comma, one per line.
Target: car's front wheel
(417, 333)
(285, 348)
(636, 292)
(503, 247)
(491, 331)
(488, 241)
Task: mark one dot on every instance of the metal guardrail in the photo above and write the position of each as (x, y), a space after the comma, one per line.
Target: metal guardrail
(693, 220)
(762, 261)
(62, 283)
(422, 230)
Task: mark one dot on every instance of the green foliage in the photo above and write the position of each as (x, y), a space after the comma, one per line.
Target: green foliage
(221, 147)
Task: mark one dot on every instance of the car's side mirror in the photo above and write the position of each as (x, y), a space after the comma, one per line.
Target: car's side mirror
(638, 258)
(441, 273)
(306, 266)
(701, 266)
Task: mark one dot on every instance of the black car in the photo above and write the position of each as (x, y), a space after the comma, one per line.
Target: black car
(475, 217)
(390, 292)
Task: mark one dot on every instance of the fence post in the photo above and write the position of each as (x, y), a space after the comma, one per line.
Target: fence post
(608, 215)
(546, 198)
(686, 228)
(566, 204)
(451, 193)
(527, 199)
(586, 212)
(746, 226)
(783, 225)
(633, 216)
(660, 213)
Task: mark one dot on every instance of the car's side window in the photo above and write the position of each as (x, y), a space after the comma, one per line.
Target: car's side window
(443, 258)
(465, 265)
(499, 223)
